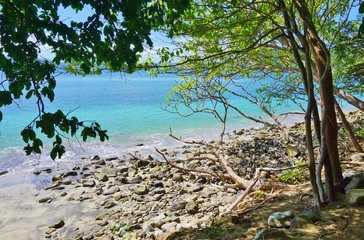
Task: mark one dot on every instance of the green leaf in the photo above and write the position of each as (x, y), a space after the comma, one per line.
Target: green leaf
(5, 98)
(361, 8)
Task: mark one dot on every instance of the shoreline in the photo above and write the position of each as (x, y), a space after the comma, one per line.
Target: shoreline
(101, 197)
(97, 194)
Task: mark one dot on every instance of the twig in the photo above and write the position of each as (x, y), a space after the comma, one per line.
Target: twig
(242, 196)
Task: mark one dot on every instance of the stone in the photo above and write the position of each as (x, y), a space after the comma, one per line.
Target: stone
(70, 174)
(109, 204)
(191, 207)
(177, 178)
(349, 173)
(300, 222)
(56, 178)
(355, 197)
(50, 230)
(134, 180)
(281, 219)
(59, 224)
(358, 157)
(142, 163)
(292, 151)
(103, 223)
(140, 189)
(111, 190)
(312, 215)
(117, 196)
(356, 182)
(102, 177)
(89, 183)
(168, 227)
(109, 172)
(45, 199)
(178, 205)
(271, 234)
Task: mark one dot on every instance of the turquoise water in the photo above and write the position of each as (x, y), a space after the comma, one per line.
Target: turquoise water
(128, 106)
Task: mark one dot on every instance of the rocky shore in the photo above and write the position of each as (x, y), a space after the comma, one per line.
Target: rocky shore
(140, 196)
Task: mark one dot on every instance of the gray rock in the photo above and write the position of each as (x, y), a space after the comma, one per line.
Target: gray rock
(191, 207)
(45, 199)
(89, 183)
(134, 180)
(56, 178)
(312, 215)
(300, 222)
(109, 204)
(355, 197)
(111, 190)
(142, 163)
(349, 173)
(358, 157)
(70, 174)
(281, 219)
(140, 189)
(101, 177)
(356, 182)
(168, 227)
(272, 234)
(178, 205)
(194, 188)
(59, 224)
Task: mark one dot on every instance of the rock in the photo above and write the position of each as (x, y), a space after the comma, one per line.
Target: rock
(70, 174)
(89, 183)
(191, 207)
(349, 173)
(117, 196)
(50, 230)
(111, 190)
(194, 188)
(134, 180)
(280, 219)
(312, 215)
(300, 222)
(57, 178)
(140, 189)
(103, 223)
(358, 157)
(168, 227)
(356, 182)
(45, 199)
(109, 204)
(59, 224)
(158, 184)
(271, 234)
(95, 157)
(178, 205)
(142, 163)
(292, 151)
(37, 172)
(109, 172)
(101, 177)
(177, 178)
(47, 170)
(355, 197)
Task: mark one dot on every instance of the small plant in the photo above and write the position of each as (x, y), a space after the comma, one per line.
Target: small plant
(122, 231)
(296, 175)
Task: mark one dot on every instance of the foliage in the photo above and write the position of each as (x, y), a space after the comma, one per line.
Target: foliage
(296, 175)
(113, 35)
(122, 231)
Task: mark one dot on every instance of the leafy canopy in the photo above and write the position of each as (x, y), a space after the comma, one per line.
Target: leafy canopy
(113, 35)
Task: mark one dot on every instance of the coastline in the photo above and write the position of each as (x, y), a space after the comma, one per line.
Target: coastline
(68, 191)
(99, 197)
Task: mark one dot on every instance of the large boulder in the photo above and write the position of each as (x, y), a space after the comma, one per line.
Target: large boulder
(356, 182)
(355, 197)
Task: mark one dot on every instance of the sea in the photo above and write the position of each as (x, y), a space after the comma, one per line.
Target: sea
(128, 106)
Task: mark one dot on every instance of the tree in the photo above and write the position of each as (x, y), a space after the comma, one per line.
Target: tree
(281, 39)
(113, 36)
